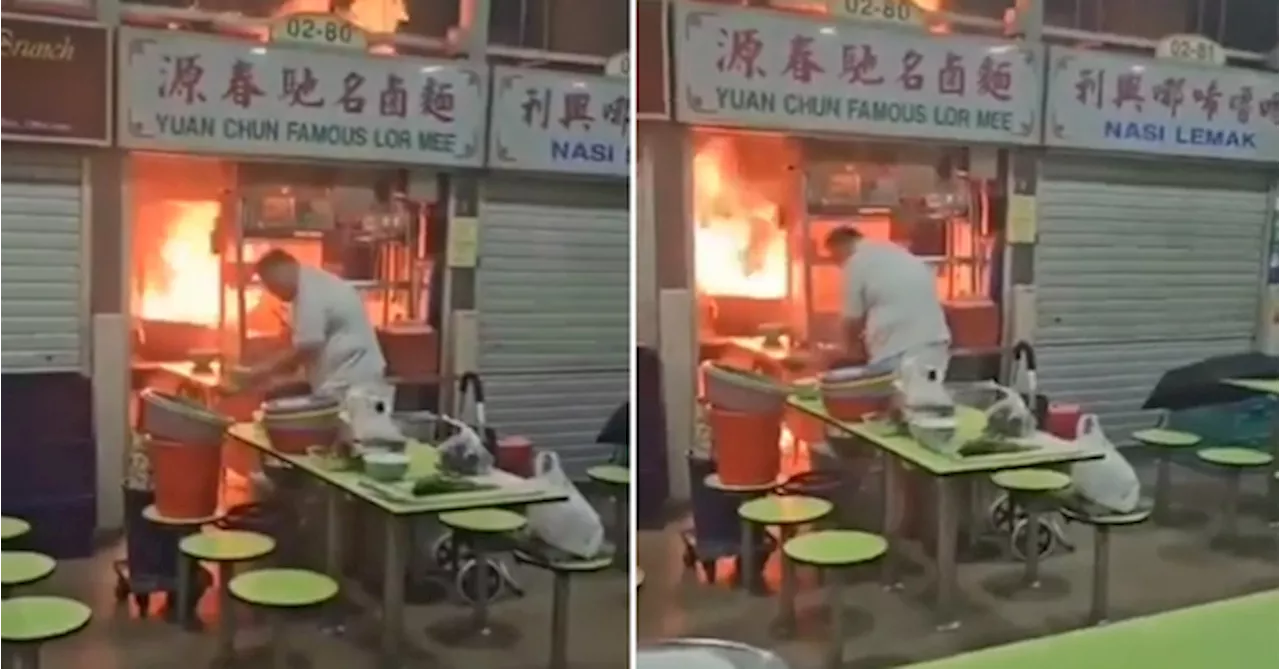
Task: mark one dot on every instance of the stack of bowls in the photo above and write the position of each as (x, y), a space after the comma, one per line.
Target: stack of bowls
(173, 418)
(295, 424)
(738, 390)
(853, 394)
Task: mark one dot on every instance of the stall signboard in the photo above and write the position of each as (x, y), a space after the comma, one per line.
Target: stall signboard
(57, 78)
(1123, 103)
(185, 92)
(754, 69)
(560, 122)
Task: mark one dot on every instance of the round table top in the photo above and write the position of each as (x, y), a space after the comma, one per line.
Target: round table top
(1231, 456)
(152, 514)
(1164, 437)
(835, 548)
(784, 509)
(227, 545)
(713, 481)
(1031, 480)
(283, 588)
(37, 619)
(23, 567)
(616, 475)
(598, 563)
(484, 521)
(12, 528)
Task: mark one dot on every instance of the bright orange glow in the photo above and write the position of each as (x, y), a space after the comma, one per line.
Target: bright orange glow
(738, 245)
(183, 285)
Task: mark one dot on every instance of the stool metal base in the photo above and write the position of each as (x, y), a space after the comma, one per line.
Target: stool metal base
(464, 633)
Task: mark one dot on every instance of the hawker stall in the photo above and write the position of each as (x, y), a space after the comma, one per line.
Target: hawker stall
(796, 125)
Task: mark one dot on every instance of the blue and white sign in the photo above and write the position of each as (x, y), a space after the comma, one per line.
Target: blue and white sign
(547, 121)
(1122, 103)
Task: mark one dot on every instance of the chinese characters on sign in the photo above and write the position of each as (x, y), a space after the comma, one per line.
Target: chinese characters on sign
(1101, 101)
(559, 122)
(748, 69)
(208, 94)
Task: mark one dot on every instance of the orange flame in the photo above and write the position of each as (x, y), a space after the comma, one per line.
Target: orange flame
(183, 285)
(738, 245)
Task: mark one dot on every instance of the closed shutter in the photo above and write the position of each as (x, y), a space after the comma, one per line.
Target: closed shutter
(553, 292)
(1142, 267)
(41, 247)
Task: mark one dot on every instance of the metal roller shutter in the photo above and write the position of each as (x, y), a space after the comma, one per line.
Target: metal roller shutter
(1141, 267)
(553, 292)
(41, 248)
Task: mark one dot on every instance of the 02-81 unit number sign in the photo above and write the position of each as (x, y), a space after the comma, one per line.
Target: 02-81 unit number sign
(318, 29)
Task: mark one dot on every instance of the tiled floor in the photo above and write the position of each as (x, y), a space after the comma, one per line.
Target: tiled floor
(1152, 568)
(117, 639)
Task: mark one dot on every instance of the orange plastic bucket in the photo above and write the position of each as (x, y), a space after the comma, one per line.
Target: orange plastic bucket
(186, 478)
(745, 446)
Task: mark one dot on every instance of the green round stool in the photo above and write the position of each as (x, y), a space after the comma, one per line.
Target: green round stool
(617, 480)
(1234, 462)
(31, 622)
(1030, 490)
(23, 568)
(787, 512)
(1165, 443)
(480, 530)
(1102, 522)
(12, 528)
(563, 570)
(225, 548)
(835, 549)
(283, 591)
(184, 608)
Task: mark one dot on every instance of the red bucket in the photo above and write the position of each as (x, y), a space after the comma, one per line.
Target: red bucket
(515, 455)
(745, 446)
(186, 478)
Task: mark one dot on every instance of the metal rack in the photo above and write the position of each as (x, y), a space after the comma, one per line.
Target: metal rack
(966, 239)
(381, 252)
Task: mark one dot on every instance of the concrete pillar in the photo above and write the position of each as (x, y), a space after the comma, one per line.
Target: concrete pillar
(473, 21)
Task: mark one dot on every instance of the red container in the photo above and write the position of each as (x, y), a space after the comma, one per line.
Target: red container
(515, 455)
(186, 478)
(1062, 420)
(854, 409)
(745, 446)
(973, 324)
(411, 349)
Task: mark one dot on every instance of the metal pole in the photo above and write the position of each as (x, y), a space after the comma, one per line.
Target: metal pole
(1101, 551)
(560, 622)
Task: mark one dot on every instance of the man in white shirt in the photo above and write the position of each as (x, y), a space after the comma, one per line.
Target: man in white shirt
(890, 302)
(333, 339)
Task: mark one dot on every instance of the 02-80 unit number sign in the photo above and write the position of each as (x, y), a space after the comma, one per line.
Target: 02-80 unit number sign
(317, 29)
(903, 12)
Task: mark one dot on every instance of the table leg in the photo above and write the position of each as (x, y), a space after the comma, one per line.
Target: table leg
(890, 483)
(945, 553)
(560, 622)
(621, 530)
(1160, 505)
(395, 549)
(786, 622)
(1101, 577)
(333, 535)
(226, 614)
(481, 606)
(1231, 506)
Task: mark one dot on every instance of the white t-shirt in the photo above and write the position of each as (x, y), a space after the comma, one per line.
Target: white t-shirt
(895, 292)
(329, 314)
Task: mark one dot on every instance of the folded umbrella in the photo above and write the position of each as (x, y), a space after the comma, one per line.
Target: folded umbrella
(1202, 383)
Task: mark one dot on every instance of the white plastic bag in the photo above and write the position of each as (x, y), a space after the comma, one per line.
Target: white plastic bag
(465, 451)
(1109, 482)
(1010, 417)
(368, 411)
(572, 526)
(920, 388)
